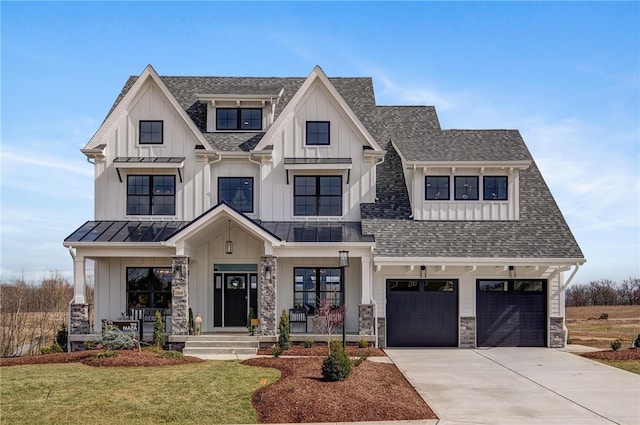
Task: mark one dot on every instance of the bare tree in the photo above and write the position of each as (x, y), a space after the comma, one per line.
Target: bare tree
(330, 317)
(629, 291)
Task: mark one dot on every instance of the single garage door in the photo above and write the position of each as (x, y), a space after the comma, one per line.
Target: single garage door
(511, 313)
(422, 313)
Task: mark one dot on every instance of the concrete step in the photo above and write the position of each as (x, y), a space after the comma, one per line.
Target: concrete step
(221, 337)
(217, 351)
(222, 343)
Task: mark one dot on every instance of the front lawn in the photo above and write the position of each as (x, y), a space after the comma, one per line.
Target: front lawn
(201, 393)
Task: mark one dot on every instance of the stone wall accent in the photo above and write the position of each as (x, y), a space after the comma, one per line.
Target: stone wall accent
(467, 332)
(79, 319)
(556, 332)
(365, 319)
(268, 301)
(382, 332)
(180, 296)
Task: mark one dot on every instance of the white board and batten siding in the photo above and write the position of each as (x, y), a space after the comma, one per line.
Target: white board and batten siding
(122, 141)
(346, 141)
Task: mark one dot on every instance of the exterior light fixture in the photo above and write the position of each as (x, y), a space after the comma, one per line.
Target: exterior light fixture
(228, 245)
(343, 261)
(423, 271)
(512, 271)
(343, 258)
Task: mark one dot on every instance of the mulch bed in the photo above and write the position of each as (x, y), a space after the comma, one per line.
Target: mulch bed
(124, 358)
(626, 354)
(322, 350)
(373, 392)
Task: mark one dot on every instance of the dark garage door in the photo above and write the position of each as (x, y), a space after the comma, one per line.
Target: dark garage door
(422, 313)
(511, 313)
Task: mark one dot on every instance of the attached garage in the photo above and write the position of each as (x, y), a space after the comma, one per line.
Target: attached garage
(511, 313)
(422, 313)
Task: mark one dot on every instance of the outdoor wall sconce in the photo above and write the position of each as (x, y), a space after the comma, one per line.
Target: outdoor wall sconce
(423, 271)
(228, 245)
(512, 271)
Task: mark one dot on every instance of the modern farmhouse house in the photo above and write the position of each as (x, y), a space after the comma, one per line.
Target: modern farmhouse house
(222, 195)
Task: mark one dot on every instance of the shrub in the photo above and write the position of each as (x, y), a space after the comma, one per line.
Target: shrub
(114, 339)
(105, 354)
(309, 343)
(337, 366)
(363, 343)
(615, 345)
(251, 315)
(158, 331)
(62, 336)
(284, 331)
(90, 345)
(276, 351)
(171, 354)
(636, 343)
(52, 348)
(335, 345)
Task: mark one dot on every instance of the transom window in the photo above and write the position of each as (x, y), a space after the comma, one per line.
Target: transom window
(494, 188)
(511, 285)
(151, 195)
(237, 192)
(313, 284)
(317, 132)
(239, 119)
(437, 188)
(149, 287)
(151, 132)
(466, 188)
(317, 195)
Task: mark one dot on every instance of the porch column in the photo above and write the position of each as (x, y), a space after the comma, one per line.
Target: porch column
(180, 295)
(268, 296)
(78, 307)
(79, 295)
(366, 325)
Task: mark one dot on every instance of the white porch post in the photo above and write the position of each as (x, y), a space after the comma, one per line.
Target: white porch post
(366, 319)
(365, 284)
(79, 293)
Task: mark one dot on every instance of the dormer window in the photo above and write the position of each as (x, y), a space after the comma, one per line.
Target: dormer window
(151, 132)
(437, 188)
(238, 119)
(494, 188)
(317, 133)
(466, 188)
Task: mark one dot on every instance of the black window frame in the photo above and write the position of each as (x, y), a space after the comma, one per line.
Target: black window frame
(151, 132)
(229, 200)
(239, 125)
(500, 196)
(458, 196)
(512, 285)
(312, 303)
(315, 133)
(151, 195)
(438, 180)
(316, 197)
(152, 293)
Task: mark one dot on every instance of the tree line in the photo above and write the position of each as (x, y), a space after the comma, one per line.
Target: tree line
(604, 292)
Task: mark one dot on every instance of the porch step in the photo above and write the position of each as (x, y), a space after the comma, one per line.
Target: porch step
(220, 345)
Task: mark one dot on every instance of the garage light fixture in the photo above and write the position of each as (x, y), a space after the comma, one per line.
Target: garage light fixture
(423, 272)
(512, 271)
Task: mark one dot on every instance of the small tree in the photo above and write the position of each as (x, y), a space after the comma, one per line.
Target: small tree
(250, 316)
(337, 366)
(284, 331)
(158, 331)
(331, 317)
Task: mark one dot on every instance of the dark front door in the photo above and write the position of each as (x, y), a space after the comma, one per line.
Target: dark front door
(235, 300)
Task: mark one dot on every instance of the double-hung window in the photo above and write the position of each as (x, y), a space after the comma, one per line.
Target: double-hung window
(151, 132)
(437, 188)
(237, 192)
(494, 188)
(149, 287)
(317, 195)
(238, 119)
(317, 133)
(466, 188)
(314, 284)
(151, 195)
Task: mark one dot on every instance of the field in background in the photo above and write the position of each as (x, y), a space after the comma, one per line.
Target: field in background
(587, 328)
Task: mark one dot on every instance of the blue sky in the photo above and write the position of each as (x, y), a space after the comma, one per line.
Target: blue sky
(565, 74)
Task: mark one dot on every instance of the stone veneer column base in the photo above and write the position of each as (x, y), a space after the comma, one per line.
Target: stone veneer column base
(267, 302)
(180, 296)
(556, 332)
(467, 332)
(79, 319)
(365, 319)
(382, 332)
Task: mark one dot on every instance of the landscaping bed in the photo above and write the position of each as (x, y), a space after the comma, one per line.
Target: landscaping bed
(323, 350)
(622, 354)
(123, 358)
(373, 392)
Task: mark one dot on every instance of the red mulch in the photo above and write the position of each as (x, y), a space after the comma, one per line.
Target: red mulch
(373, 392)
(322, 350)
(124, 358)
(626, 354)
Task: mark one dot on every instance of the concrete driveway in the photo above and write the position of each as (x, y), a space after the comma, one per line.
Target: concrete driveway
(520, 386)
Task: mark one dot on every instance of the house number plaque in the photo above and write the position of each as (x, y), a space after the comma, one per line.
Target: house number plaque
(178, 292)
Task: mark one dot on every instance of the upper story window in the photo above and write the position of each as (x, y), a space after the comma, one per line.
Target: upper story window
(151, 195)
(237, 192)
(317, 195)
(238, 119)
(437, 188)
(317, 133)
(151, 132)
(494, 188)
(466, 188)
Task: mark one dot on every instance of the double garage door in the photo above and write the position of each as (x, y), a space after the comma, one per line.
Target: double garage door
(424, 313)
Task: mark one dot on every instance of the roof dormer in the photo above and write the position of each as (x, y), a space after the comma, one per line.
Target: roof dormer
(239, 112)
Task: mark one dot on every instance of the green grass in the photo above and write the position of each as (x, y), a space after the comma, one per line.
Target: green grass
(202, 393)
(628, 365)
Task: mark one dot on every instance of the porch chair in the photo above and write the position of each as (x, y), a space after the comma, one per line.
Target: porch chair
(298, 315)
